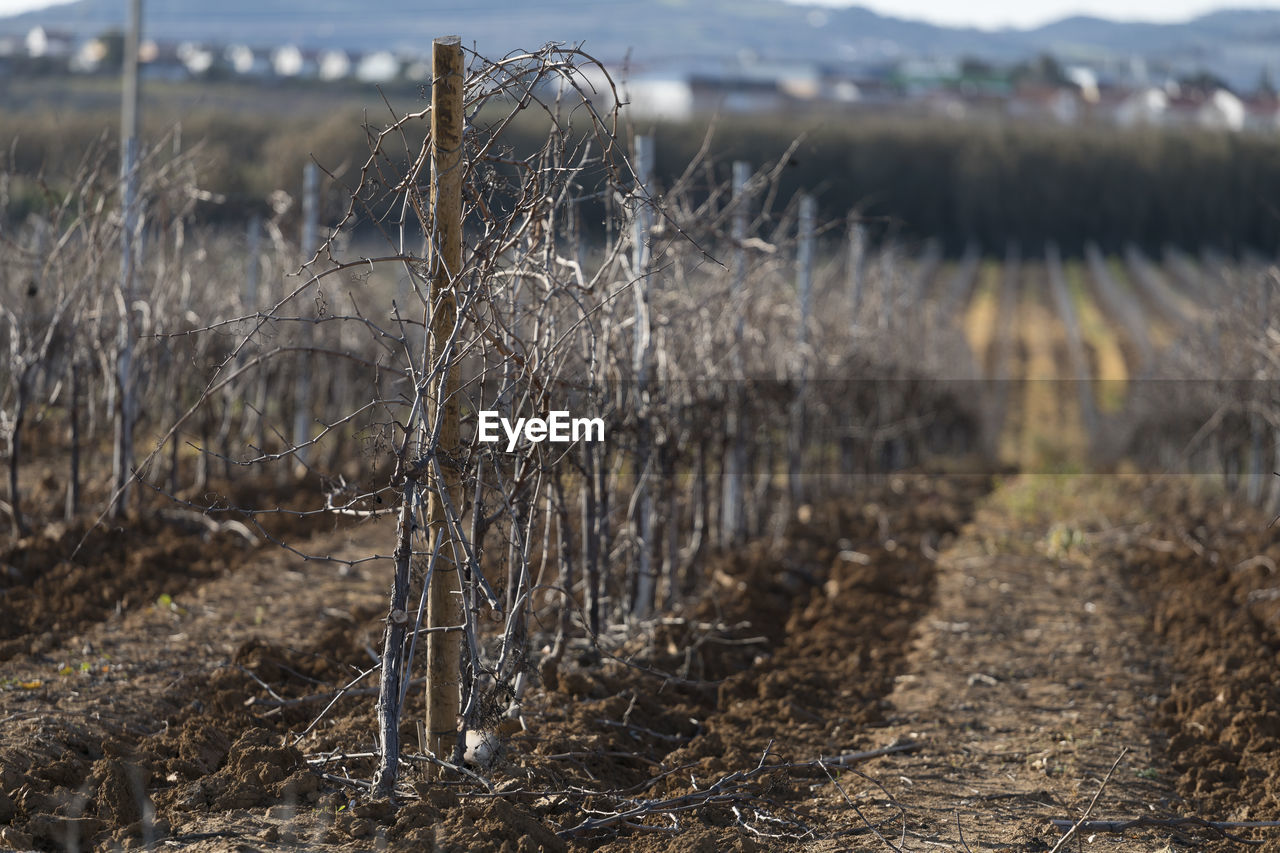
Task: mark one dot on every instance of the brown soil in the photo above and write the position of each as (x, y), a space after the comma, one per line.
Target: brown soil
(55, 589)
(1211, 582)
(65, 577)
(1011, 646)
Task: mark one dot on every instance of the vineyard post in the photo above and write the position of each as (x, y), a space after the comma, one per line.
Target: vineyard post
(444, 599)
(804, 293)
(645, 585)
(23, 372)
(1219, 454)
(253, 266)
(126, 405)
(855, 262)
(252, 275)
(926, 268)
(888, 293)
(732, 515)
(73, 452)
(302, 390)
(1255, 416)
(804, 266)
(590, 523)
(1273, 499)
(857, 257)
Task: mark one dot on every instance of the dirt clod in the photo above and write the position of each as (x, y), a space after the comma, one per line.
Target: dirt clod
(121, 797)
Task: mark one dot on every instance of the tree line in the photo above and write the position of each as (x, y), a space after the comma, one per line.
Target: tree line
(961, 183)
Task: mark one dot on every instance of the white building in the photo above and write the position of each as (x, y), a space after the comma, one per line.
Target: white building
(381, 66)
(1222, 111)
(289, 61)
(89, 56)
(48, 44)
(659, 97)
(1145, 106)
(333, 65)
(245, 61)
(197, 58)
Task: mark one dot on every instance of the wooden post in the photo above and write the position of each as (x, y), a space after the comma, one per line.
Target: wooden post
(302, 389)
(126, 412)
(73, 412)
(804, 293)
(590, 539)
(804, 265)
(733, 510)
(444, 600)
(1256, 429)
(926, 269)
(1273, 499)
(855, 265)
(253, 266)
(646, 575)
(855, 274)
(888, 288)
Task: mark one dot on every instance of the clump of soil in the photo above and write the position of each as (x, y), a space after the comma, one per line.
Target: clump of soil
(507, 827)
(258, 770)
(1209, 573)
(73, 800)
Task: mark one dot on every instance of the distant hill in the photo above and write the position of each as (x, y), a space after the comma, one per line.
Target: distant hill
(1236, 44)
(647, 29)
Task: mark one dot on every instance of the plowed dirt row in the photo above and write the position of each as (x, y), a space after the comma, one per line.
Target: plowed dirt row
(169, 722)
(104, 725)
(1007, 649)
(1029, 677)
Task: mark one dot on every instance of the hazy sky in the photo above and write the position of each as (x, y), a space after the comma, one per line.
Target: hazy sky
(982, 13)
(1028, 13)
(12, 7)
